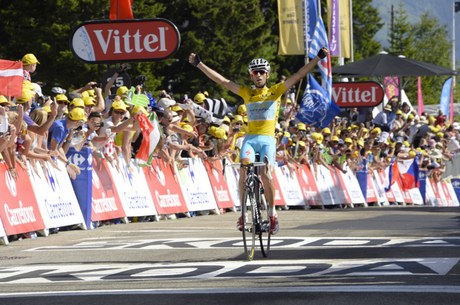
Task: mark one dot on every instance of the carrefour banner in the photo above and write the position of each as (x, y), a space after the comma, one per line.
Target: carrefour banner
(134, 192)
(456, 185)
(19, 210)
(291, 27)
(422, 184)
(55, 195)
(361, 176)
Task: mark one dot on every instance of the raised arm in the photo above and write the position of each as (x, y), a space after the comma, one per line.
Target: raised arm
(306, 68)
(195, 60)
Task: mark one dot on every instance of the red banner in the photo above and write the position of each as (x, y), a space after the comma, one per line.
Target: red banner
(105, 203)
(445, 189)
(371, 192)
(279, 199)
(166, 192)
(19, 210)
(308, 186)
(341, 187)
(219, 185)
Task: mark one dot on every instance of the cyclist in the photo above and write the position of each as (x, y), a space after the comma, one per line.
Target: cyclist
(263, 104)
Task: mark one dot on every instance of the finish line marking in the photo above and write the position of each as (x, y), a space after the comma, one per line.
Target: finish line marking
(328, 289)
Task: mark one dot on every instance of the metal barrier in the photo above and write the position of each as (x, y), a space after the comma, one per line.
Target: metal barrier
(452, 167)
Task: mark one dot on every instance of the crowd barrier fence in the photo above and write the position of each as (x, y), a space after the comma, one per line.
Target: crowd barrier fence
(45, 198)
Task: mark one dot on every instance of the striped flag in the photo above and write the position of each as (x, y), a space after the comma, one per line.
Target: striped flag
(320, 41)
(151, 133)
(11, 76)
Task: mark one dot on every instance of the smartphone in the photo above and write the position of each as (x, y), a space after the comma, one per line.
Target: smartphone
(285, 140)
(13, 108)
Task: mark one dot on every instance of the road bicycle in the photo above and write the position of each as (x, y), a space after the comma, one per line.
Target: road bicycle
(254, 208)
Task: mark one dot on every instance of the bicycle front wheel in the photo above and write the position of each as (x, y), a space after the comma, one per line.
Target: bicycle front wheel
(264, 236)
(248, 225)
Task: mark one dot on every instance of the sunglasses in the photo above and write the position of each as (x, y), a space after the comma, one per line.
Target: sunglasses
(120, 112)
(260, 72)
(62, 102)
(239, 123)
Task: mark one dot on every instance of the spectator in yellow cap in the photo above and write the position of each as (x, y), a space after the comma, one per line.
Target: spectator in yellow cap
(242, 110)
(199, 98)
(62, 130)
(76, 103)
(29, 63)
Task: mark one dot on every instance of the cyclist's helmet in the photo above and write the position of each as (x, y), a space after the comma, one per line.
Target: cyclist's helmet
(259, 64)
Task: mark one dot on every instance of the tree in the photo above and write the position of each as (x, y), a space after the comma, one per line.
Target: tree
(401, 37)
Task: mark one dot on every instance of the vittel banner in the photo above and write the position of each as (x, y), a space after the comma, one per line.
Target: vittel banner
(125, 40)
(357, 94)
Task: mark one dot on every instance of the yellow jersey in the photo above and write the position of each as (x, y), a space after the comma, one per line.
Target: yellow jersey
(262, 108)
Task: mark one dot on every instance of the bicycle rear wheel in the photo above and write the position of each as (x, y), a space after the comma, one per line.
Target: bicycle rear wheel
(247, 216)
(264, 235)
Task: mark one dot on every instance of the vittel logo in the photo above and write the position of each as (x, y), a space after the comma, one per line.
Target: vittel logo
(128, 40)
(11, 184)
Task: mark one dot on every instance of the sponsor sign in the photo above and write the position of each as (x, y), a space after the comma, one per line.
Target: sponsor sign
(55, 196)
(125, 40)
(105, 201)
(357, 94)
(352, 186)
(19, 210)
(196, 187)
(133, 190)
(166, 193)
(289, 186)
(232, 177)
(308, 186)
(219, 185)
(453, 194)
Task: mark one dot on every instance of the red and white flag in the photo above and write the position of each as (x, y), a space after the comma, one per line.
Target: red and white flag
(151, 132)
(11, 76)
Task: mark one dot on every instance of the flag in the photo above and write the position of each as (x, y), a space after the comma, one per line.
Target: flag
(151, 136)
(291, 25)
(316, 109)
(11, 76)
(345, 33)
(391, 84)
(120, 9)
(409, 173)
(320, 41)
(421, 109)
(333, 19)
(310, 16)
(445, 97)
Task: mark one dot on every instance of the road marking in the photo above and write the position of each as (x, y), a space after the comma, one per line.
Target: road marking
(236, 243)
(326, 289)
(227, 269)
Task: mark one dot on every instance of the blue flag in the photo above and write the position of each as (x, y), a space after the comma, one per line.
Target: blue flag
(310, 12)
(445, 97)
(316, 109)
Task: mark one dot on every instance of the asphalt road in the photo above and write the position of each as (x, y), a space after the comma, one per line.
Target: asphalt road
(398, 255)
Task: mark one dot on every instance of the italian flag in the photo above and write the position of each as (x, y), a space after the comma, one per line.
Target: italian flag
(151, 133)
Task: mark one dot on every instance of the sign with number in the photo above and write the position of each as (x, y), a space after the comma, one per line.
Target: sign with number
(120, 81)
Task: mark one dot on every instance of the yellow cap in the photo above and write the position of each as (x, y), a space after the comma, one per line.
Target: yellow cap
(62, 97)
(199, 98)
(376, 130)
(410, 117)
(237, 118)
(88, 101)
(440, 134)
(77, 102)
(220, 133)
(335, 138)
(122, 90)
(399, 112)
(227, 119)
(301, 143)
(287, 134)
(77, 114)
(47, 109)
(431, 119)
(365, 130)
(302, 126)
(138, 108)
(406, 144)
(177, 108)
(326, 130)
(90, 92)
(360, 143)
(187, 127)
(354, 127)
(119, 105)
(348, 140)
(29, 59)
(412, 153)
(288, 101)
(26, 96)
(3, 100)
(242, 109)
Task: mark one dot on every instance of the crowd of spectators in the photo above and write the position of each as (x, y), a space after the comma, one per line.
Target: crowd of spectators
(42, 128)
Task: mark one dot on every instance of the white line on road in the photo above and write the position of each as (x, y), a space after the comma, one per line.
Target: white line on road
(328, 289)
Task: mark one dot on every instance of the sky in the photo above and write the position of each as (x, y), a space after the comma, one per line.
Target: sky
(441, 8)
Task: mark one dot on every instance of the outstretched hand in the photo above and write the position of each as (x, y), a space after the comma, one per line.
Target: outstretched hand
(323, 53)
(194, 59)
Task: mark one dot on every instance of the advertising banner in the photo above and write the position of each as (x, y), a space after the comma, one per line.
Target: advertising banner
(453, 195)
(371, 191)
(19, 209)
(397, 192)
(133, 190)
(456, 186)
(232, 177)
(289, 186)
(219, 185)
(435, 189)
(357, 94)
(105, 201)
(352, 185)
(3, 236)
(166, 191)
(196, 187)
(132, 40)
(340, 187)
(379, 189)
(291, 27)
(55, 196)
(308, 186)
(449, 201)
(326, 186)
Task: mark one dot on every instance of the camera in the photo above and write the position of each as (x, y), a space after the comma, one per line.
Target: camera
(140, 80)
(13, 108)
(79, 128)
(112, 96)
(98, 85)
(162, 95)
(100, 124)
